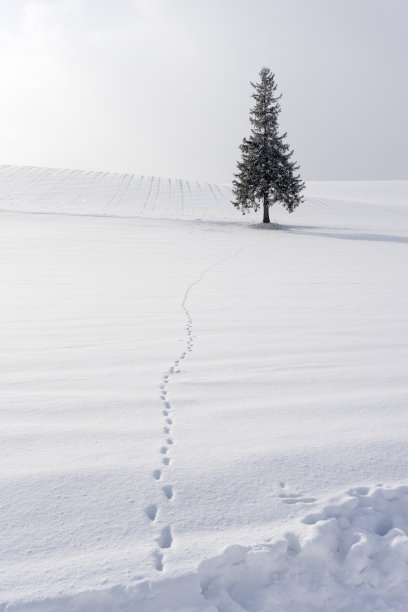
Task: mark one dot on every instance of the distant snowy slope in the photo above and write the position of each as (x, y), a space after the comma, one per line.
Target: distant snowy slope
(385, 193)
(104, 193)
(48, 190)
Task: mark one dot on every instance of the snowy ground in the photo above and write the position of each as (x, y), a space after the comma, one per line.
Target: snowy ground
(178, 380)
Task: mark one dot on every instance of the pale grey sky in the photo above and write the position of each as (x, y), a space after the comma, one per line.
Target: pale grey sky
(161, 87)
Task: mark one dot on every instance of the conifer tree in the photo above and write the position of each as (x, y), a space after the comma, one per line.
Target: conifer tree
(266, 173)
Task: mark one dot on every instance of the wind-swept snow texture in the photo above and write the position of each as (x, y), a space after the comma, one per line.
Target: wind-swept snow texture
(200, 413)
(109, 194)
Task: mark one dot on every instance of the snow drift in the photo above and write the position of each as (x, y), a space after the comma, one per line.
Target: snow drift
(354, 557)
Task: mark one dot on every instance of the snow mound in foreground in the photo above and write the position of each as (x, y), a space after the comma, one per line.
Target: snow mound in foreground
(353, 557)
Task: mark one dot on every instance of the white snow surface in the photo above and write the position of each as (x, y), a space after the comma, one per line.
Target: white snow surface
(198, 412)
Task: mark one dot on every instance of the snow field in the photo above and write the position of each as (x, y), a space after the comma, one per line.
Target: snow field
(84, 313)
(173, 386)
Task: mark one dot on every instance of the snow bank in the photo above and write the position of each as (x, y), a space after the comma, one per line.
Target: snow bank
(353, 556)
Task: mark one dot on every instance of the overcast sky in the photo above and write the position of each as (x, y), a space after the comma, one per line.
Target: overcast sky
(161, 87)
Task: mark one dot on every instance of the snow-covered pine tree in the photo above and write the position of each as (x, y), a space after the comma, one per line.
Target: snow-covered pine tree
(266, 173)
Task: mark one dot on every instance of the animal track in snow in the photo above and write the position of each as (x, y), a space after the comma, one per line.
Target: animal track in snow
(168, 491)
(151, 512)
(165, 538)
(299, 500)
(294, 498)
(158, 557)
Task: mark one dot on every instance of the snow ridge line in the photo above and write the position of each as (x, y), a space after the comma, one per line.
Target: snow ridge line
(165, 537)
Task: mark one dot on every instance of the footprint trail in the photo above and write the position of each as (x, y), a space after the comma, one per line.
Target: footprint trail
(165, 538)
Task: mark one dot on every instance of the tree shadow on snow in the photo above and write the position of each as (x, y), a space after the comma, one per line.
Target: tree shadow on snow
(351, 234)
(269, 226)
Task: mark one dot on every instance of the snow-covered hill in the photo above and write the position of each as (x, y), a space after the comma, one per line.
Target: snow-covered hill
(48, 190)
(198, 412)
(103, 193)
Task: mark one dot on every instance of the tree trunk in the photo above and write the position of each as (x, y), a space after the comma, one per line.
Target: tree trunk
(266, 212)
